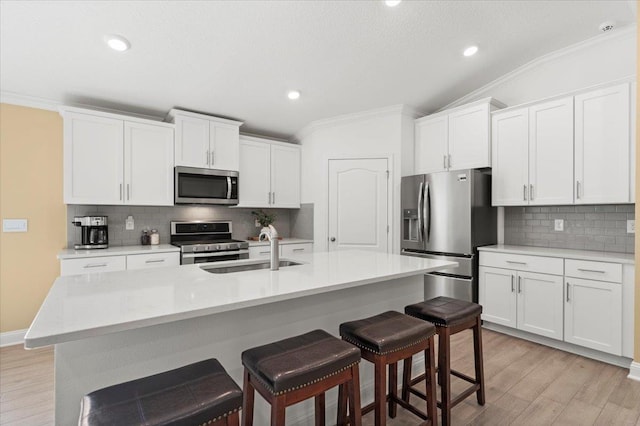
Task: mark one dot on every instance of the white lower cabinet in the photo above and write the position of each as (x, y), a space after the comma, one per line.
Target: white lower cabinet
(528, 301)
(155, 260)
(286, 250)
(89, 265)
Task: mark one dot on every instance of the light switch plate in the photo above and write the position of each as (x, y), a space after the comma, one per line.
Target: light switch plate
(14, 225)
(631, 226)
(129, 224)
(559, 225)
(257, 223)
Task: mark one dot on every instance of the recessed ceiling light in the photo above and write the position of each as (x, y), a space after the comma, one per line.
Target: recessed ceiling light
(392, 3)
(293, 95)
(118, 43)
(470, 51)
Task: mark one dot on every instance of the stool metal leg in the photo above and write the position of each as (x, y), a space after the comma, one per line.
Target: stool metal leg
(247, 400)
(319, 411)
(477, 349)
(444, 370)
(393, 389)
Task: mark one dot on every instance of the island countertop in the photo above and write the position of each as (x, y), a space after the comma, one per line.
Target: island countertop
(83, 306)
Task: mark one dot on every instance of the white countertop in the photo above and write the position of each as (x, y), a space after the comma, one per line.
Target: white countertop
(117, 251)
(601, 256)
(88, 305)
(281, 242)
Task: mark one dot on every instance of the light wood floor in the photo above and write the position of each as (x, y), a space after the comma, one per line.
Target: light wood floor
(526, 384)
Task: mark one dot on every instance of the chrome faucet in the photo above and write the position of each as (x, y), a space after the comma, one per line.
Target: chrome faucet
(272, 235)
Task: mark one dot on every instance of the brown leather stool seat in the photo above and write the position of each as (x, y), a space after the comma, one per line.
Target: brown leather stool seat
(450, 316)
(297, 368)
(384, 340)
(196, 394)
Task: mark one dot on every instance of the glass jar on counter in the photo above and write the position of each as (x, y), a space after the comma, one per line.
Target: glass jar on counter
(145, 239)
(155, 237)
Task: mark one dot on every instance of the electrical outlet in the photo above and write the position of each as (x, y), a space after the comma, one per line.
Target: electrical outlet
(559, 225)
(631, 226)
(129, 224)
(257, 224)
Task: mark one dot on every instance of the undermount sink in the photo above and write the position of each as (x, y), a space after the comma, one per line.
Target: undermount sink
(245, 267)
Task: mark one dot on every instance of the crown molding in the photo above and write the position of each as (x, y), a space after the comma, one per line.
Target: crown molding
(585, 44)
(29, 101)
(341, 120)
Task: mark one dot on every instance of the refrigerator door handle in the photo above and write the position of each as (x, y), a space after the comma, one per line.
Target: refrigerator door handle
(420, 201)
(427, 210)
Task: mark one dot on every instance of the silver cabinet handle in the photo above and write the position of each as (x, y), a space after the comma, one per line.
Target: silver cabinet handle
(567, 291)
(449, 160)
(206, 157)
(128, 192)
(577, 189)
(524, 192)
(512, 288)
(265, 252)
(517, 263)
(444, 161)
(120, 192)
(519, 284)
(298, 249)
(154, 261)
(95, 265)
(269, 197)
(592, 270)
(273, 198)
(212, 158)
(531, 192)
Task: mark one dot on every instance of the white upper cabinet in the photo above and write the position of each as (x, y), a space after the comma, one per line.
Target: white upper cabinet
(110, 160)
(455, 139)
(269, 174)
(602, 145)
(148, 166)
(205, 141)
(510, 174)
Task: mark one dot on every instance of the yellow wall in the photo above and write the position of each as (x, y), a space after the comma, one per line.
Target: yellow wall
(31, 188)
(636, 351)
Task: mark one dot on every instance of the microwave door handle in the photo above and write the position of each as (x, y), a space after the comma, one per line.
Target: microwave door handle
(228, 187)
(420, 200)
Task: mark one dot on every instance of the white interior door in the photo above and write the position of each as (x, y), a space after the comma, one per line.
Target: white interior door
(358, 204)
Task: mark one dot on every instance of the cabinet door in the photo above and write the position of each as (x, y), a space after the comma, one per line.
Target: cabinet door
(540, 307)
(593, 314)
(224, 147)
(260, 252)
(551, 152)
(254, 183)
(291, 250)
(148, 171)
(431, 145)
(93, 159)
(510, 175)
(285, 176)
(153, 260)
(497, 295)
(469, 144)
(192, 142)
(602, 146)
(90, 265)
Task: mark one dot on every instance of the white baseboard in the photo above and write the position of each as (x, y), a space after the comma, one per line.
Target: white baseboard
(12, 338)
(634, 371)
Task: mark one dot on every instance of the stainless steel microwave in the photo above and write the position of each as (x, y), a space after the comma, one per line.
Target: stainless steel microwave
(205, 186)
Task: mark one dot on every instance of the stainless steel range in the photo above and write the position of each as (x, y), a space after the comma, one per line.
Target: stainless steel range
(207, 241)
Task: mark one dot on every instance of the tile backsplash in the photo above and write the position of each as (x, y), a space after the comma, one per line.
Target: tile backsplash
(588, 227)
(160, 217)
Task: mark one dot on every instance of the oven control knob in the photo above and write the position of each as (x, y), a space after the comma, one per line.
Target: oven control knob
(208, 248)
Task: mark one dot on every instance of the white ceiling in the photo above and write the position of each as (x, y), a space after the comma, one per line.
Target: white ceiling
(238, 59)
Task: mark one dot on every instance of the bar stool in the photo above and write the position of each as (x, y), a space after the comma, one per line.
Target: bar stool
(196, 394)
(294, 369)
(450, 316)
(384, 340)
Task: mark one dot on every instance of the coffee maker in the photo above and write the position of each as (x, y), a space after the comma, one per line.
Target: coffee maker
(95, 233)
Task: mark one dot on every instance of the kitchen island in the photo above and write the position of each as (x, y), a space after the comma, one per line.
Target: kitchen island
(116, 326)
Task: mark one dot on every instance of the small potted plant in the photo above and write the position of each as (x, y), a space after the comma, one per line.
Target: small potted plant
(264, 219)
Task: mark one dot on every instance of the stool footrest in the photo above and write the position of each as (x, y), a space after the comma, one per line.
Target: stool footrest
(462, 396)
(370, 407)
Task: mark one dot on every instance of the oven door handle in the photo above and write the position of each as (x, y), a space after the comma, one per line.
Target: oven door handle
(213, 254)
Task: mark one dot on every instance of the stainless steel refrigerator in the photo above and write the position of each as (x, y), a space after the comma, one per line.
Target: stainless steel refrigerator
(448, 215)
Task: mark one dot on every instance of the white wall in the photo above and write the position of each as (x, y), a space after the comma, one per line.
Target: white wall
(372, 135)
(594, 61)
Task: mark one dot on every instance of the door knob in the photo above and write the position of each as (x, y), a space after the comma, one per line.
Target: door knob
(333, 239)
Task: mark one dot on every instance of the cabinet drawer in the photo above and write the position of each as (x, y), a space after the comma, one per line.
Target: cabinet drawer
(295, 249)
(545, 265)
(152, 260)
(89, 265)
(259, 252)
(600, 271)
